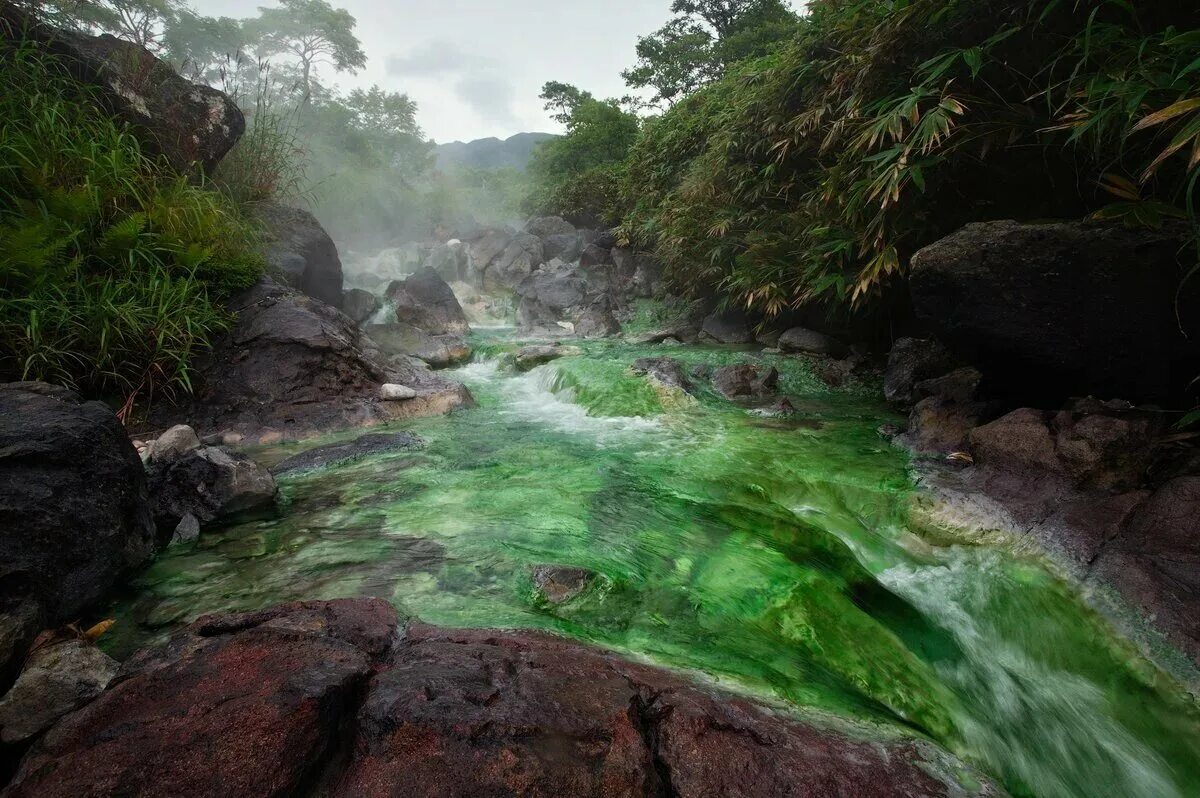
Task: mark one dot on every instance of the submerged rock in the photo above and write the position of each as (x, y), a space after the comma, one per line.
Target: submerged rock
(363, 446)
(74, 517)
(530, 357)
(745, 381)
(58, 678)
(331, 693)
(666, 371)
(558, 584)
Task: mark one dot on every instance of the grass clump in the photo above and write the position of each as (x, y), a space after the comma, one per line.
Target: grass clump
(113, 268)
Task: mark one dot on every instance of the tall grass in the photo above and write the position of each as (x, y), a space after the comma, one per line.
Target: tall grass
(112, 268)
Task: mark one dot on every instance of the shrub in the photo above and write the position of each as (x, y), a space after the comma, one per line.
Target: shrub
(112, 268)
(811, 175)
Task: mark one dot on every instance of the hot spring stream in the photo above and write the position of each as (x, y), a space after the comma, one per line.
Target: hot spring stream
(770, 555)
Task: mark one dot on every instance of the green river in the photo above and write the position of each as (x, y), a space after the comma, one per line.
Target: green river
(771, 556)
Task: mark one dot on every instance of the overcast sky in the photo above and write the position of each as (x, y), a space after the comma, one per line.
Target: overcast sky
(476, 67)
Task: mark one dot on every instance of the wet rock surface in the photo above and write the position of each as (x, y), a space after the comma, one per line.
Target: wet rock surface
(666, 371)
(331, 698)
(372, 443)
(530, 357)
(74, 518)
(360, 305)
(559, 584)
(745, 381)
(209, 485)
(301, 254)
(294, 367)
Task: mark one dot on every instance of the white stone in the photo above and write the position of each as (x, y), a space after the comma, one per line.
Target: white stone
(176, 441)
(391, 392)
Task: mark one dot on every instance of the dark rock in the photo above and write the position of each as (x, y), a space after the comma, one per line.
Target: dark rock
(940, 426)
(270, 691)
(301, 254)
(210, 484)
(1055, 310)
(728, 327)
(745, 381)
(295, 368)
(1156, 561)
(799, 340)
(520, 257)
(368, 445)
(666, 371)
(572, 295)
(960, 385)
(74, 518)
(558, 584)
(189, 124)
(438, 351)
(483, 713)
(567, 247)
(530, 357)
(484, 249)
(327, 698)
(360, 305)
(547, 226)
(605, 239)
(58, 678)
(187, 530)
(913, 360)
(594, 256)
(425, 301)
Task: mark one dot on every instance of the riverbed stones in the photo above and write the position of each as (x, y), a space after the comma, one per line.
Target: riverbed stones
(59, 677)
(666, 372)
(74, 516)
(558, 584)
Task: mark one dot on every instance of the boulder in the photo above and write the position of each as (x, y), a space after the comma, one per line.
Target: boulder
(567, 247)
(271, 691)
(427, 302)
(300, 253)
(519, 258)
(571, 295)
(191, 125)
(728, 327)
(745, 381)
(74, 517)
(558, 584)
(665, 371)
(58, 678)
(547, 226)
(530, 357)
(360, 305)
(483, 250)
(938, 425)
(594, 256)
(438, 351)
(293, 367)
(209, 484)
(330, 698)
(800, 340)
(371, 444)
(174, 443)
(911, 361)
(1048, 311)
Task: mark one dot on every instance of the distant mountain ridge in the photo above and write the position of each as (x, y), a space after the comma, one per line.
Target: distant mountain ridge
(491, 153)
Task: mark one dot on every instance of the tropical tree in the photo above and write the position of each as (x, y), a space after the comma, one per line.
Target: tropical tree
(199, 46)
(314, 33)
(704, 37)
(562, 99)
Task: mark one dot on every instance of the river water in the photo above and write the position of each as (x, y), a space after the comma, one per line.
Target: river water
(772, 556)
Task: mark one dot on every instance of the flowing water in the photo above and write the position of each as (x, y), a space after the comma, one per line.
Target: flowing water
(770, 554)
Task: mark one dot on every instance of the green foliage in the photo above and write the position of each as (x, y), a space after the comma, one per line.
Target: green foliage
(812, 174)
(704, 38)
(311, 31)
(111, 267)
(578, 175)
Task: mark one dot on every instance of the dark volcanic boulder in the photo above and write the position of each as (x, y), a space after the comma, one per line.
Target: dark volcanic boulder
(728, 327)
(1056, 310)
(665, 371)
(514, 263)
(911, 361)
(800, 340)
(571, 295)
(328, 698)
(73, 513)
(438, 351)
(745, 381)
(209, 484)
(546, 226)
(360, 305)
(293, 367)
(189, 124)
(301, 254)
(426, 301)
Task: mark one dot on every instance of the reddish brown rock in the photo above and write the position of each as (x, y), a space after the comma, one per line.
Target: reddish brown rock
(247, 705)
(468, 713)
